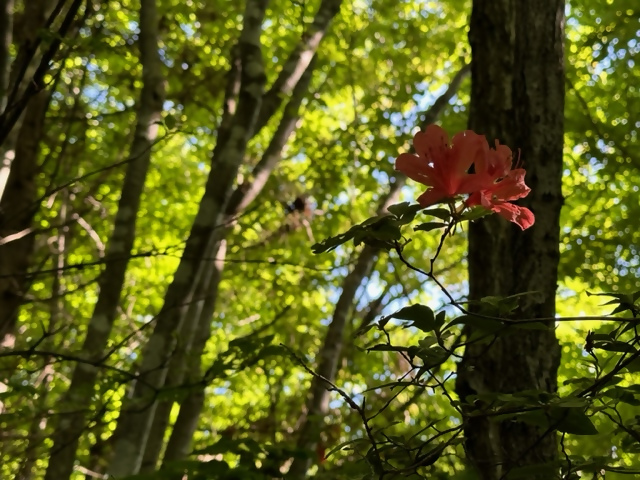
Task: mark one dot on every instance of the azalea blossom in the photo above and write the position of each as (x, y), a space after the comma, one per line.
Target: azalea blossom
(502, 185)
(442, 166)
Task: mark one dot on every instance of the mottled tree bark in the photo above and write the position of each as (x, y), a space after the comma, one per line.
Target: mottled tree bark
(136, 416)
(317, 403)
(179, 444)
(517, 97)
(77, 399)
(190, 339)
(202, 308)
(293, 80)
(298, 61)
(317, 399)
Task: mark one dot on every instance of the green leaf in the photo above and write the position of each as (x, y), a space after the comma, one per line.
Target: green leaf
(404, 210)
(633, 366)
(479, 323)
(573, 420)
(422, 316)
(346, 444)
(428, 226)
(615, 346)
(170, 121)
(332, 243)
(474, 214)
(441, 213)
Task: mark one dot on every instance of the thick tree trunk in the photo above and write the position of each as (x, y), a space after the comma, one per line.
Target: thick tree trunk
(517, 97)
(81, 390)
(317, 402)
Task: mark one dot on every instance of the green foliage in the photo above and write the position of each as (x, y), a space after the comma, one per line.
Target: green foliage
(379, 67)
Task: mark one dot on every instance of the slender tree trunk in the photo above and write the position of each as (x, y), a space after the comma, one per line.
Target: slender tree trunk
(317, 402)
(235, 131)
(37, 430)
(206, 292)
(178, 367)
(186, 424)
(6, 39)
(227, 156)
(136, 416)
(17, 208)
(28, 71)
(18, 168)
(517, 97)
(77, 400)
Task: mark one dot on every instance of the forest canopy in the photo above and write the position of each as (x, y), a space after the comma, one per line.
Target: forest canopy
(212, 264)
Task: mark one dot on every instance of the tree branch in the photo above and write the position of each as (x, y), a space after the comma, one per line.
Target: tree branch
(298, 61)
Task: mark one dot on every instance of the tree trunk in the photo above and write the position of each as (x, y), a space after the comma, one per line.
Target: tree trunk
(136, 416)
(6, 39)
(517, 97)
(318, 396)
(237, 128)
(191, 407)
(17, 209)
(81, 390)
(206, 291)
(18, 169)
(190, 338)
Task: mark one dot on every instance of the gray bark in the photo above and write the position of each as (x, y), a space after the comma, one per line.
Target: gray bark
(179, 444)
(136, 416)
(317, 399)
(77, 399)
(178, 366)
(517, 97)
(317, 403)
(293, 79)
(203, 306)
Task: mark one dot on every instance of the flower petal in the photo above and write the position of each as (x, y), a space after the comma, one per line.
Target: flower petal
(521, 216)
(473, 182)
(433, 143)
(512, 187)
(415, 168)
(501, 160)
(431, 196)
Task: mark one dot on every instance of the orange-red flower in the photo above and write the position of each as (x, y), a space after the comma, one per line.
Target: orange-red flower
(502, 185)
(442, 166)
